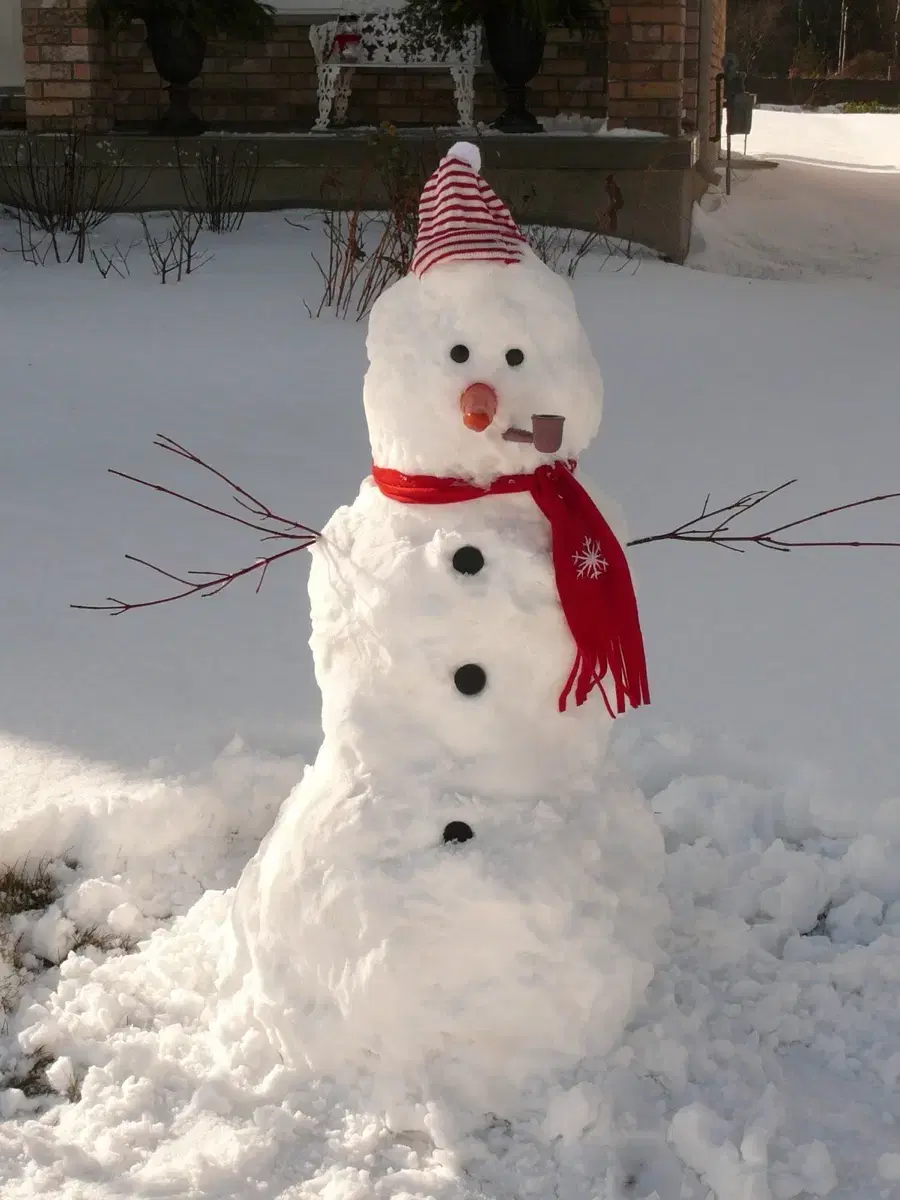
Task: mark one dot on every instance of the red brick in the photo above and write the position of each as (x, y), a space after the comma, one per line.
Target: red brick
(646, 33)
(671, 14)
(643, 70)
(648, 52)
(50, 108)
(250, 66)
(68, 90)
(568, 67)
(265, 83)
(65, 54)
(637, 108)
(48, 71)
(654, 91)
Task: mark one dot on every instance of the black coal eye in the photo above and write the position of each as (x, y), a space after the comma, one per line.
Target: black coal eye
(459, 353)
(515, 358)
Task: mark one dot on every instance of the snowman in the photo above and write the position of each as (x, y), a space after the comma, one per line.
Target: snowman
(459, 902)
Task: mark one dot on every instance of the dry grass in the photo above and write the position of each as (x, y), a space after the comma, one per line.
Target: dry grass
(31, 1077)
(24, 888)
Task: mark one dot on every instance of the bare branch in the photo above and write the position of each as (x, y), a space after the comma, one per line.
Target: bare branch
(242, 496)
(698, 529)
(300, 536)
(711, 525)
(204, 587)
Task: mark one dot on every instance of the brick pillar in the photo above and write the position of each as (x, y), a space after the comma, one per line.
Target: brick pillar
(65, 74)
(693, 110)
(717, 51)
(646, 65)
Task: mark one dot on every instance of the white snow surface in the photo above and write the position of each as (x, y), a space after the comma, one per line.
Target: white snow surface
(847, 141)
(153, 751)
(828, 209)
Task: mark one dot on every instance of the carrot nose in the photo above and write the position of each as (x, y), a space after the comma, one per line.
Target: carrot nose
(478, 405)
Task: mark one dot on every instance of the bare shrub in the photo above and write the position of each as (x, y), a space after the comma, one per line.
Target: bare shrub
(563, 250)
(870, 64)
(174, 254)
(368, 251)
(226, 175)
(56, 188)
(115, 260)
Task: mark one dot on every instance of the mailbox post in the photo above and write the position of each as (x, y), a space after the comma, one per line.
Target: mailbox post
(737, 102)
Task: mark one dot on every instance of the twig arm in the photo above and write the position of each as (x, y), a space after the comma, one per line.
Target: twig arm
(719, 533)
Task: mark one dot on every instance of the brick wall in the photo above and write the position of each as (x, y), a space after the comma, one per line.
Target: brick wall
(76, 79)
(718, 51)
(242, 84)
(692, 61)
(646, 65)
(273, 84)
(65, 73)
(700, 95)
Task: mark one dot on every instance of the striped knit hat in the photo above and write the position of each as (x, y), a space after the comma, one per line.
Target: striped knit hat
(461, 219)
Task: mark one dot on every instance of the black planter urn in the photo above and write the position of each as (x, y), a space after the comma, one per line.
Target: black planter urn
(178, 52)
(516, 51)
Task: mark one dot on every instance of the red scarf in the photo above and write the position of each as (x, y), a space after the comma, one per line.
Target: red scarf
(592, 577)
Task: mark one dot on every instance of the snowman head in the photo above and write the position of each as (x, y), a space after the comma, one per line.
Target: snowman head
(478, 363)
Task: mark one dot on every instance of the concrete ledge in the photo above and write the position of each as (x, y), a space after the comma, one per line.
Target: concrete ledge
(553, 179)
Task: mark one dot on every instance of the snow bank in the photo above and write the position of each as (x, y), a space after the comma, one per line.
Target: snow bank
(849, 141)
(762, 1064)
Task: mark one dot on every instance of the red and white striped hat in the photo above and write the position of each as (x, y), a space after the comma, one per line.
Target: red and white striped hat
(461, 218)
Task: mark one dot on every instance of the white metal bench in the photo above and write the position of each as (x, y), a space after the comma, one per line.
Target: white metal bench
(381, 44)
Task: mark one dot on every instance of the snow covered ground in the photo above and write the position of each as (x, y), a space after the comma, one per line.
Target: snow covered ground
(153, 750)
(828, 209)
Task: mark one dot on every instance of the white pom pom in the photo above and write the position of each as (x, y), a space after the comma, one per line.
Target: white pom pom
(467, 153)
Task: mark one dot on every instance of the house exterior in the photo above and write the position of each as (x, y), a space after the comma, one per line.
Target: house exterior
(12, 50)
(649, 65)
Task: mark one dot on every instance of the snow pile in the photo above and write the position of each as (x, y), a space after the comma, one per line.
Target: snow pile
(847, 141)
(117, 856)
(762, 1065)
(828, 209)
(573, 122)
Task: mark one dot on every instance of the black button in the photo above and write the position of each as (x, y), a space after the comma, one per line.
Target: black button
(470, 679)
(460, 353)
(468, 560)
(458, 831)
(515, 358)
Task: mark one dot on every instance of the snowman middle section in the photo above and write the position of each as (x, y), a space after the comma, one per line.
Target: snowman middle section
(461, 896)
